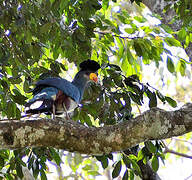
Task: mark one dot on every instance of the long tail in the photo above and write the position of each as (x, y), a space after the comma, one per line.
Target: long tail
(39, 106)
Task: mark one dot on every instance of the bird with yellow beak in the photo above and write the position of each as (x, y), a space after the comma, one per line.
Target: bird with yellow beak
(57, 95)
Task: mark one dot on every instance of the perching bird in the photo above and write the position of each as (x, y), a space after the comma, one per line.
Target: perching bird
(57, 96)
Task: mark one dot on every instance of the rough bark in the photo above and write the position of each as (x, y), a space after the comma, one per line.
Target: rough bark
(157, 6)
(153, 124)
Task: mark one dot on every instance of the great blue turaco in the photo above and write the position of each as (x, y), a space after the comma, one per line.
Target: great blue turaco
(57, 96)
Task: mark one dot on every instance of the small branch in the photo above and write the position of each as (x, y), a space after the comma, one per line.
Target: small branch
(177, 153)
(114, 35)
(167, 150)
(188, 178)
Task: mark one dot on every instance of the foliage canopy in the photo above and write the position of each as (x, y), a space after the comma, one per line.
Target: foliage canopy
(41, 38)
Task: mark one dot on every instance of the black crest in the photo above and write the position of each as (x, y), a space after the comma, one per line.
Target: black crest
(89, 65)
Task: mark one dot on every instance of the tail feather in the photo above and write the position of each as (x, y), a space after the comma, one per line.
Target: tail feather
(42, 102)
(39, 106)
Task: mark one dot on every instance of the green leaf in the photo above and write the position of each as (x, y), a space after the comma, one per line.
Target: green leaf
(121, 18)
(30, 161)
(171, 102)
(166, 28)
(136, 98)
(19, 170)
(140, 19)
(127, 161)
(9, 177)
(20, 161)
(187, 40)
(87, 167)
(43, 175)
(170, 65)
(28, 36)
(121, 48)
(35, 168)
(105, 4)
(55, 156)
(93, 173)
(125, 64)
(117, 169)
(152, 148)
(182, 34)
(104, 161)
(15, 80)
(19, 99)
(160, 96)
(155, 163)
(126, 175)
(45, 28)
(129, 30)
(11, 108)
(129, 56)
(26, 86)
(2, 162)
(52, 1)
(138, 47)
(131, 175)
(88, 120)
(136, 167)
(152, 98)
(182, 67)
(172, 41)
(140, 155)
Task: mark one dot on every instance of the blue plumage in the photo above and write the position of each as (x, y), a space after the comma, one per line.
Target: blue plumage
(65, 86)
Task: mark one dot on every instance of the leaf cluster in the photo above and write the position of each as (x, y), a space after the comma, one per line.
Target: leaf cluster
(38, 39)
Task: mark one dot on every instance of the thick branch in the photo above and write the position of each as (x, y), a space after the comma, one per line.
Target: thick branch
(153, 124)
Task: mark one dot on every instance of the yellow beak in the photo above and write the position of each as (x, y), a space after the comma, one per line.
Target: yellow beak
(93, 77)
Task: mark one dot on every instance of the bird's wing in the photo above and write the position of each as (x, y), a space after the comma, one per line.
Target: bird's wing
(42, 101)
(65, 86)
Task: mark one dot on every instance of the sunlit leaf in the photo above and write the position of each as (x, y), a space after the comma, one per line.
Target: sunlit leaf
(182, 34)
(171, 102)
(182, 67)
(172, 41)
(170, 65)
(166, 28)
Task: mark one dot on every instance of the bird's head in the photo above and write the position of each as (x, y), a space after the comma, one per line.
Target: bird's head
(86, 76)
(88, 72)
(89, 69)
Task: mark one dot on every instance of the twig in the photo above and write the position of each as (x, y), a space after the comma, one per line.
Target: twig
(189, 177)
(114, 35)
(167, 150)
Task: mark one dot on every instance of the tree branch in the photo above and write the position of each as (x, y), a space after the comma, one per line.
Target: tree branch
(153, 124)
(177, 153)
